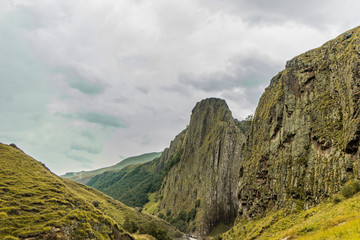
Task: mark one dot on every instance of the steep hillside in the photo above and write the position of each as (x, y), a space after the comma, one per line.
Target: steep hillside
(85, 176)
(202, 170)
(131, 185)
(304, 140)
(330, 220)
(36, 204)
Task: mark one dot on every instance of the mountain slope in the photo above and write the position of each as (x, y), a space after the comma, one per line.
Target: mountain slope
(85, 176)
(202, 165)
(329, 220)
(198, 174)
(131, 185)
(304, 140)
(36, 203)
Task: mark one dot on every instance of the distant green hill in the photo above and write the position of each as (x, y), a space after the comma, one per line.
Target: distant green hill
(131, 184)
(37, 204)
(85, 176)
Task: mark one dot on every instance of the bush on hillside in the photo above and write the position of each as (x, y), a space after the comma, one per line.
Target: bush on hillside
(350, 188)
(151, 228)
(130, 226)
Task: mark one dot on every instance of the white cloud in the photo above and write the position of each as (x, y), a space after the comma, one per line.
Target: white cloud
(124, 59)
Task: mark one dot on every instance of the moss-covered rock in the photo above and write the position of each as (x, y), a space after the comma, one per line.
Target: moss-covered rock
(203, 168)
(304, 140)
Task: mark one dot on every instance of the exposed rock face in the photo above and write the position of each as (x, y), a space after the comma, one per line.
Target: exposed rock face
(205, 167)
(304, 140)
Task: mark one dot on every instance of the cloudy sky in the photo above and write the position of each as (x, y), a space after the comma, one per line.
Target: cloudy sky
(87, 83)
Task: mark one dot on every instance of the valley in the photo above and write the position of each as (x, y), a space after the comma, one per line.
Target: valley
(291, 171)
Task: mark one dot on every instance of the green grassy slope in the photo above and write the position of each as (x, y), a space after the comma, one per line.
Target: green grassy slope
(333, 219)
(36, 203)
(131, 184)
(85, 176)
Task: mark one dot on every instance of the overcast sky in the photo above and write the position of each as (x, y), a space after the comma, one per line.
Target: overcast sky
(86, 83)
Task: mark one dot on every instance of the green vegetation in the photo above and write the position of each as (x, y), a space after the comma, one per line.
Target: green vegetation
(350, 188)
(133, 184)
(328, 220)
(184, 221)
(35, 203)
(173, 161)
(152, 206)
(85, 176)
(244, 125)
(130, 185)
(130, 225)
(154, 230)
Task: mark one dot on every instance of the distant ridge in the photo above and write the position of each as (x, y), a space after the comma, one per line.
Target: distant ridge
(85, 176)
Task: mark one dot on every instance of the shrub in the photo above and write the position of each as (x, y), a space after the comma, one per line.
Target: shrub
(154, 230)
(96, 204)
(168, 212)
(197, 203)
(191, 215)
(181, 225)
(161, 215)
(336, 200)
(350, 188)
(130, 226)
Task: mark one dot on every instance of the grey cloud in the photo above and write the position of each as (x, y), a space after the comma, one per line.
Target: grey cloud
(143, 90)
(105, 120)
(86, 87)
(78, 157)
(320, 13)
(102, 119)
(121, 99)
(178, 87)
(247, 72)
(77, 81)
(92, 149)
(88, 135)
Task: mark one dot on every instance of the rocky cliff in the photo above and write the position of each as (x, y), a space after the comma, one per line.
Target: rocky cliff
(304, 140)
(202, 169)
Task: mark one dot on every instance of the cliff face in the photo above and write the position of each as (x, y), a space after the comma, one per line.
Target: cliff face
(304, 140)
(202, 166)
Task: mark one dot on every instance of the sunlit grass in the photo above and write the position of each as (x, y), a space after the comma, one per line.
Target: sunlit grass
(35, 202)
(328, 220)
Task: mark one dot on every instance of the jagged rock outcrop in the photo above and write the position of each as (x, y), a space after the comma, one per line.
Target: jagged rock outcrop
(202, 166)
(304, 140)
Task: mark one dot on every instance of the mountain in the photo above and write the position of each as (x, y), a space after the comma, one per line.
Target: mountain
(195, 180)
(37, 204)
(85, 176)
(200, 189)
(289, 172)
(304, 139)
(130, 185)
(303, 146)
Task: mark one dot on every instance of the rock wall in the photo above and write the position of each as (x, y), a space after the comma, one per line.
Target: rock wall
(205, 172)
(304, 140)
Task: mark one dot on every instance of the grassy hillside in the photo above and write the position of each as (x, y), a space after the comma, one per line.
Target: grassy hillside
(85, 176)
(36, 203)
(337, 218)
(131, 184)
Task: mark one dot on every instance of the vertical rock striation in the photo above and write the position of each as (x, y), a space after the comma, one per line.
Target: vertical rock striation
(304, 140)
(202, 166)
